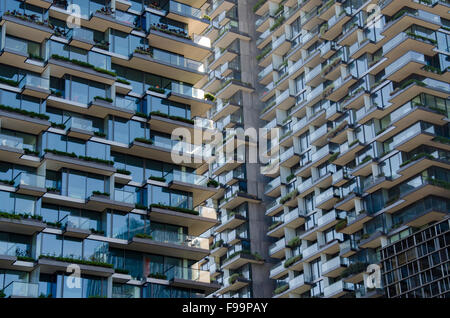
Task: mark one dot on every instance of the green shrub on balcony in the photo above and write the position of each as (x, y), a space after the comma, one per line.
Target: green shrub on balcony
(263, 53)
(292, 260)
(439, 183)
(122, 81)
(258, 5)
(144, 141)
(144, 236)
(274, 225)
(289, 196)
(24, 112)
(281, 289)
(354, 268)
(278, 23)
(123, 171)
(333, 157)
(8, 182)
(9, 82)
(177, 118)
(210, 97)
(121, 271)
(83, 64)
(417, 157)
(340, 225)
(105, 194)
(219, 243)
(290, 177)
(293, 243)
(105, 99)
(233, 278)
(157, 276)
(76, 261)
(176, 209)
(212, 183)
(159, 179)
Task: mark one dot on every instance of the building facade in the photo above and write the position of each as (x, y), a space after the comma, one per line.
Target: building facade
(359, 90)
(93, 204)
(108, 191)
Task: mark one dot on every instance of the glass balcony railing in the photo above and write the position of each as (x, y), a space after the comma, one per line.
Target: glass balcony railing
(277, 246)
(11, 141)
(79, 123)
(330, 216)
(187, 177)
(207, 212)
(21, 289)
(76, 222)
(188, 273)
(178, 60)
(297, 281)
(187, 90)
(81, 34)
(334, 263)
(184, 9)
(409, 57)
(310, 250)
(179, 239)
(31, 80)
(326, 195)
(125, 196)
(125, 103)
(14, 249)
(336, 288)
(272, 184)
(29, 179)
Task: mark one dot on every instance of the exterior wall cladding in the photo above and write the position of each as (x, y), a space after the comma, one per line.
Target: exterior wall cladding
(359, 91)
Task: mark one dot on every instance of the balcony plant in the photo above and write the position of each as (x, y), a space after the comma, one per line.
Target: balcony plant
(212, 183)
(281, 289)
(293, 243)
(7, 182)
(140, 206)
(123, 171)
(144, 140)
(210, 97)
(176, 209)
(9, 82)
(142, 50)
(258, 5)
(24, 112)
(144, 236)
(105, 99)
(354, 268)
(76, 261)
(99, 193)
(99, 134)
(122, 81)
(292, 260)
(290, 177)
(340, 225)
(157, 89)
(160, 179)
(217, 244)
(83, 64)
(289, 196)
(121, 271)
(57, 125)
(233, 278)
(157, 276)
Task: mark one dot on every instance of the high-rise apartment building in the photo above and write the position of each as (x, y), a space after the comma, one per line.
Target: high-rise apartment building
(359, 90)
(125, 171)
(92, 202)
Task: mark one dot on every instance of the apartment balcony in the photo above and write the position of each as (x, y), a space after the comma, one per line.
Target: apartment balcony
(221, 57)
(266, 75)
(276, 250)
(233, 283)
(219, 250)
(195, 97)
(27, 28)
(337, 290)
(299, 285)
(191, 182)
(328, 220)
(374, 240)
(48, 265)
(58, 161)
(14, 120)
(262, 8)
(236, 199)
(20, 58)
(334, 267)
(407, 90)
(231, 86)
(306, 187)
(340, 178)
(196, 48)
(60, 68)
(121, 200)
(281, 45)
(278, 271)
(419, 17)
(191, 16)
(355, 222)
(191, 277)
(165, 243)
(263, 23)
(311, 252)
(312, 78)
(81, 38)
(229, 163)
(219, 6)
(76, 226)
(223, 109)
(347, 152)
(289, 157)
(274, 207)
(321, 155)
(30, 184)
(340, 87)
(334, 25)
(35, 86)
(79, 128)
(229, 33)
(231, 221)
(164, 63)
(319, 136)
(405, 42)
(23, 226)
(214, 270)
(18, 289)
(310, 19)
(240, 260)
(391, 7)
(348, 248)
(276, 229)
(196, 223)
(273, 188)
(294, 219)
